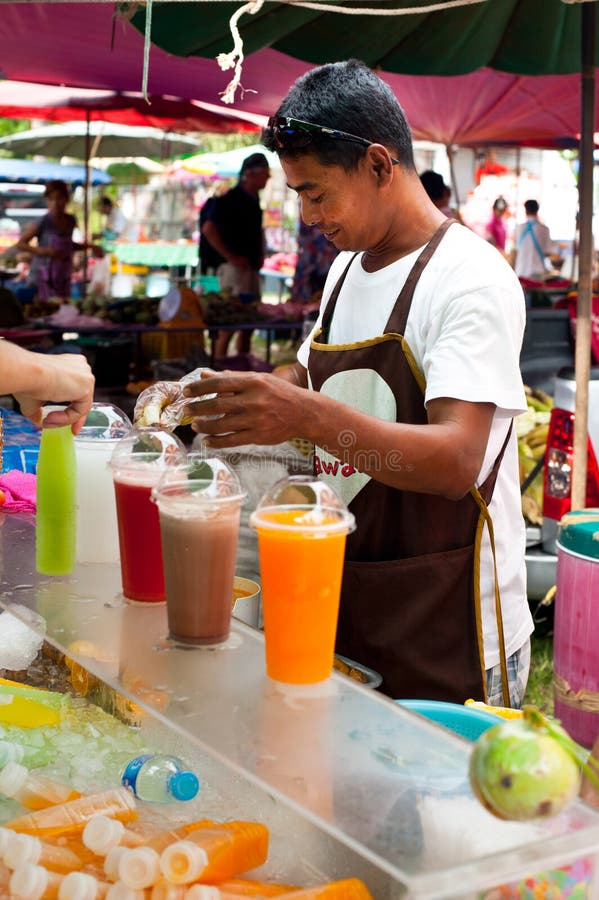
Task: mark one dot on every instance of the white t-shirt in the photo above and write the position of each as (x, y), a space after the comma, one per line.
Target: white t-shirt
(465, 330)
(528, 259)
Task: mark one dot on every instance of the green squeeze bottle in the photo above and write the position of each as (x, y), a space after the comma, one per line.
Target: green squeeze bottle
(56, 519)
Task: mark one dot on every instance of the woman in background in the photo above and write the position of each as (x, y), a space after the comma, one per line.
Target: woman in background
(52, 262)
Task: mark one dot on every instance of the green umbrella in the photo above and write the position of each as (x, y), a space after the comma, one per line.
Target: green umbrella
(527, 37)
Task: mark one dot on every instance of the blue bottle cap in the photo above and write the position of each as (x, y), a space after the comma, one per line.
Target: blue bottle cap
(183, 785)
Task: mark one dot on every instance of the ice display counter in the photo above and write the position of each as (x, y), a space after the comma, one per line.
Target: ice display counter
(349, 783)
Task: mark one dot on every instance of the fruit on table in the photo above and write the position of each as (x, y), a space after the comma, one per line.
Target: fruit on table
(532, 428)
(528, 768)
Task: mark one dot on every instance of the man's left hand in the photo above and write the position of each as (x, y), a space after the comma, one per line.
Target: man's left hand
(252, 408)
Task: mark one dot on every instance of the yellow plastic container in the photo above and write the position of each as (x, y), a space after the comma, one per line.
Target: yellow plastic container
(28, 707)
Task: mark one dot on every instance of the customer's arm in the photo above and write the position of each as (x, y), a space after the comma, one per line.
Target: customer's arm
(36, 378)
(214, 237)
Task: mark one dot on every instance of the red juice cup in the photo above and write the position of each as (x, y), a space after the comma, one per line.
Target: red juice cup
(138, 461)
(199, 503)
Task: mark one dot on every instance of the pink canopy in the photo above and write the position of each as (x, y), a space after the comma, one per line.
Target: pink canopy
(20, 99)
(70, 44)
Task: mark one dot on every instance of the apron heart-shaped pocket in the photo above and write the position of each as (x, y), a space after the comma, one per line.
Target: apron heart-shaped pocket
(366, 391)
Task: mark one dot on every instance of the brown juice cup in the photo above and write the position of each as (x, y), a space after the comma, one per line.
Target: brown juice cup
(199, 526)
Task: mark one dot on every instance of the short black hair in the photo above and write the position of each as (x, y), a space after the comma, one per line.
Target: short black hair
(531, 207)
(106, 201)
(433, 184)
(350, 97)
(57, 186)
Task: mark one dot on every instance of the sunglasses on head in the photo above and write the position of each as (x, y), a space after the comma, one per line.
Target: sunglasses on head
(294, 134)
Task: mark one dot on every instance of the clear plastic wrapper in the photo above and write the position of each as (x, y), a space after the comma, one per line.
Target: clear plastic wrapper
(163, 403)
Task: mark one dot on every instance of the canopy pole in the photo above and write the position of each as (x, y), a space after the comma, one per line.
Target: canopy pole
(585, 264)
(454, 182)
(86, 201)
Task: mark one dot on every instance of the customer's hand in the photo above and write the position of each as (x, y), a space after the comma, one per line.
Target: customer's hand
(62, 378)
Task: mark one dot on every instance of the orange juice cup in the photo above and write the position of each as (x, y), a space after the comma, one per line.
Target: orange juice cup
(302, 526)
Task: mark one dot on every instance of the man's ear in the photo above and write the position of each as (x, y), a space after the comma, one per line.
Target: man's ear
(380, 162)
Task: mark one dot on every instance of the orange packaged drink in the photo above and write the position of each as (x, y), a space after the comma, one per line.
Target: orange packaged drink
(214, 854)
(102, 833)
(347, 889)
(301, 565)
(71, 817)
(31, 790)
(139, 868)
(81, 886)
(246, 887)
(166, 890)
(31, 882)
(237, 887)
(25, 848)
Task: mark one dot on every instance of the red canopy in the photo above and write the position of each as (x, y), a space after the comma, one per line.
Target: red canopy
(70, 43)
(23, 100)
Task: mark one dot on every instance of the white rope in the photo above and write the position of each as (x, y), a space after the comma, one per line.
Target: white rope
(235, 58)
(398, 11)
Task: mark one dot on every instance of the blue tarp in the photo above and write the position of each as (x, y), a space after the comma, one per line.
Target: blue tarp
(28, 171)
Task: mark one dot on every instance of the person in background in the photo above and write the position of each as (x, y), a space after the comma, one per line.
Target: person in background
(115, 223)
(314, 257)
(36, 378)
(496, 233)
(52, 264)
(533, 244)
(439, 193)
(233, 228)
(407, 387)
(19, 285)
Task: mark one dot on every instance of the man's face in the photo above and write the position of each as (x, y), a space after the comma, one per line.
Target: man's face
(343, 205)
(255, 179)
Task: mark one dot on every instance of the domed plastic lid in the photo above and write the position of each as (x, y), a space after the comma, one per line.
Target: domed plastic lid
(301, 501)
(184, 785)
(579, 532)
(210, 476)
(145, 447)
(105, 422)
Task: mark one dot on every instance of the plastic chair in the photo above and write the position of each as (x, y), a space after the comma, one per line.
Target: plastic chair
(462, 720)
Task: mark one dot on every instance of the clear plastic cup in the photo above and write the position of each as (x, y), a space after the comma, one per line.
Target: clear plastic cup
(138, 461)
(97, 529)
(199, 506)
(302, 525)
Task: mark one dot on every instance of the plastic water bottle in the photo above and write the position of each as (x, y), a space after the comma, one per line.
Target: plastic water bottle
(56, 519)
(160, 778)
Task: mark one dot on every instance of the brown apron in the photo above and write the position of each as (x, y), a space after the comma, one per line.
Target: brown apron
(410, 603)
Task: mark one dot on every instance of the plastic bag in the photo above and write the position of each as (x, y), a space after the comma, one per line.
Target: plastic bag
(163, 403)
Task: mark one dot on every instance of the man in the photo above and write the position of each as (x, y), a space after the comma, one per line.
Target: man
(407, 387)
(533, 244)
(115, 223)
(438, 192)
(233, 228)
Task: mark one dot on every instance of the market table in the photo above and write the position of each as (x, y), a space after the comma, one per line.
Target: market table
(136, 332)
(349, 783)
(156, 254)
(25, 336)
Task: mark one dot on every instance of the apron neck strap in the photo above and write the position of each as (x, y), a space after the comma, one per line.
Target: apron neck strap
(399, 315)
(330, 307)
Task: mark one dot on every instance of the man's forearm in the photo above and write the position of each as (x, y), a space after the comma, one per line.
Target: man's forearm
(294, 373)
(214, 238)
(432, 458)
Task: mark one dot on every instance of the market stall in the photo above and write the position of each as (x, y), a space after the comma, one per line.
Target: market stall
(349, 784)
